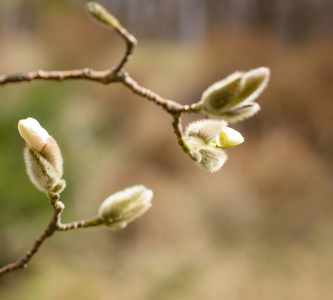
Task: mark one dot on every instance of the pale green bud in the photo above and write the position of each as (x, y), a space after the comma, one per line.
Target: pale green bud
(221, 94)
(251, 86)
(99, 14)
(125, 206)
(230, 138)
(232, 98)
(43, 159)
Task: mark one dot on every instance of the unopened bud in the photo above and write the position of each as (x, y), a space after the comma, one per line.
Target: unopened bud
(125, 206)
(241, 113)
(226, 99)
(43, 159)
(252, 84)
(230, 138)
(221, 94)
(206, 130)
(206, 140)
(212, 159)
(34, 135)
(98, 13)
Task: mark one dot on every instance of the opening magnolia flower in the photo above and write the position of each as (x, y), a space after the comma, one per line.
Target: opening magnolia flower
(33, 133)
(230, 138)
(43, 159)
(207, 140)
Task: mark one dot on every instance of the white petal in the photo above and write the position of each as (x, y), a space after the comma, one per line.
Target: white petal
(33, 133)
(230, 138)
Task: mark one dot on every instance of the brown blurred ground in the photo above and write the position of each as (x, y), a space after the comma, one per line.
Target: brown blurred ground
(261, 228)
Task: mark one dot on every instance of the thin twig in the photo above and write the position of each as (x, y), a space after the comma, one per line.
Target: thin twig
(170, 106)
(101, 15)
(177, 127)
(105, 77)
(47, 232)
(54, 225)
(79, 224)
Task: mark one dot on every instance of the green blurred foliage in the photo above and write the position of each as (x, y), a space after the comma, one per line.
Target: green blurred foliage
(258, 229)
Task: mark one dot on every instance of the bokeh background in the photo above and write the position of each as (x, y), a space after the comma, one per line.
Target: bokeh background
(261, 228)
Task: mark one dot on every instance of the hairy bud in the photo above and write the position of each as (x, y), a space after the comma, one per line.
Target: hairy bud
(207, 140)
(209, 158)
(241, 113)
(98, 13)
(43, 159)
(232, 98)
(125, 206)
(206, 130)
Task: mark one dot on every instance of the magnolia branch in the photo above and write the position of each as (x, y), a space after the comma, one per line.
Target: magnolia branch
(113, 75)
(54, 225)
(231, 99)
(47, 232)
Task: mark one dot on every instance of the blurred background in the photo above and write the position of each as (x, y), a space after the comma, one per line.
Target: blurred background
(261, 228)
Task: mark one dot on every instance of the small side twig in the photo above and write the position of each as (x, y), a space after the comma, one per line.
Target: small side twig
(177, 127)
(80, 224)
(101, 15)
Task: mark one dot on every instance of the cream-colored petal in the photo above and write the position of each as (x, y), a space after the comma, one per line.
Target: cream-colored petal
(33, 133)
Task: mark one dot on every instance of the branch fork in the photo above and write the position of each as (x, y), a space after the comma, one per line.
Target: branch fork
(231, 99)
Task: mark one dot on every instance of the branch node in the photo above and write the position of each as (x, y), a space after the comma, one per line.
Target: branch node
(60, 76)
(39, 239)
(88, 73)
(41, 73)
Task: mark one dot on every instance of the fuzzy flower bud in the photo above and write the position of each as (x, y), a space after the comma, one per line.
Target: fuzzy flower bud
(43, 159)
(125, 206)
(207, 140)
(209, 158)
(241, 113)
(232, 98)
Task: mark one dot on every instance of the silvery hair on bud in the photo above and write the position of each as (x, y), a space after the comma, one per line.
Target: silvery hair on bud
(212, 159)
(124, 206)
(232, 98)
(45, 169)
(198, 136)
(216, 98)
(207, 130)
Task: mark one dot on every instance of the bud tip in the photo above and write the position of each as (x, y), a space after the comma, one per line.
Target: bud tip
(33, 133)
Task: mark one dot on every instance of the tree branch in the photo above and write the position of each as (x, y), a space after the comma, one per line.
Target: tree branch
(112, 75)
(47, 232)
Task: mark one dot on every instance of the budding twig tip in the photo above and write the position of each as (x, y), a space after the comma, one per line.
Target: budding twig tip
(98, 13)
